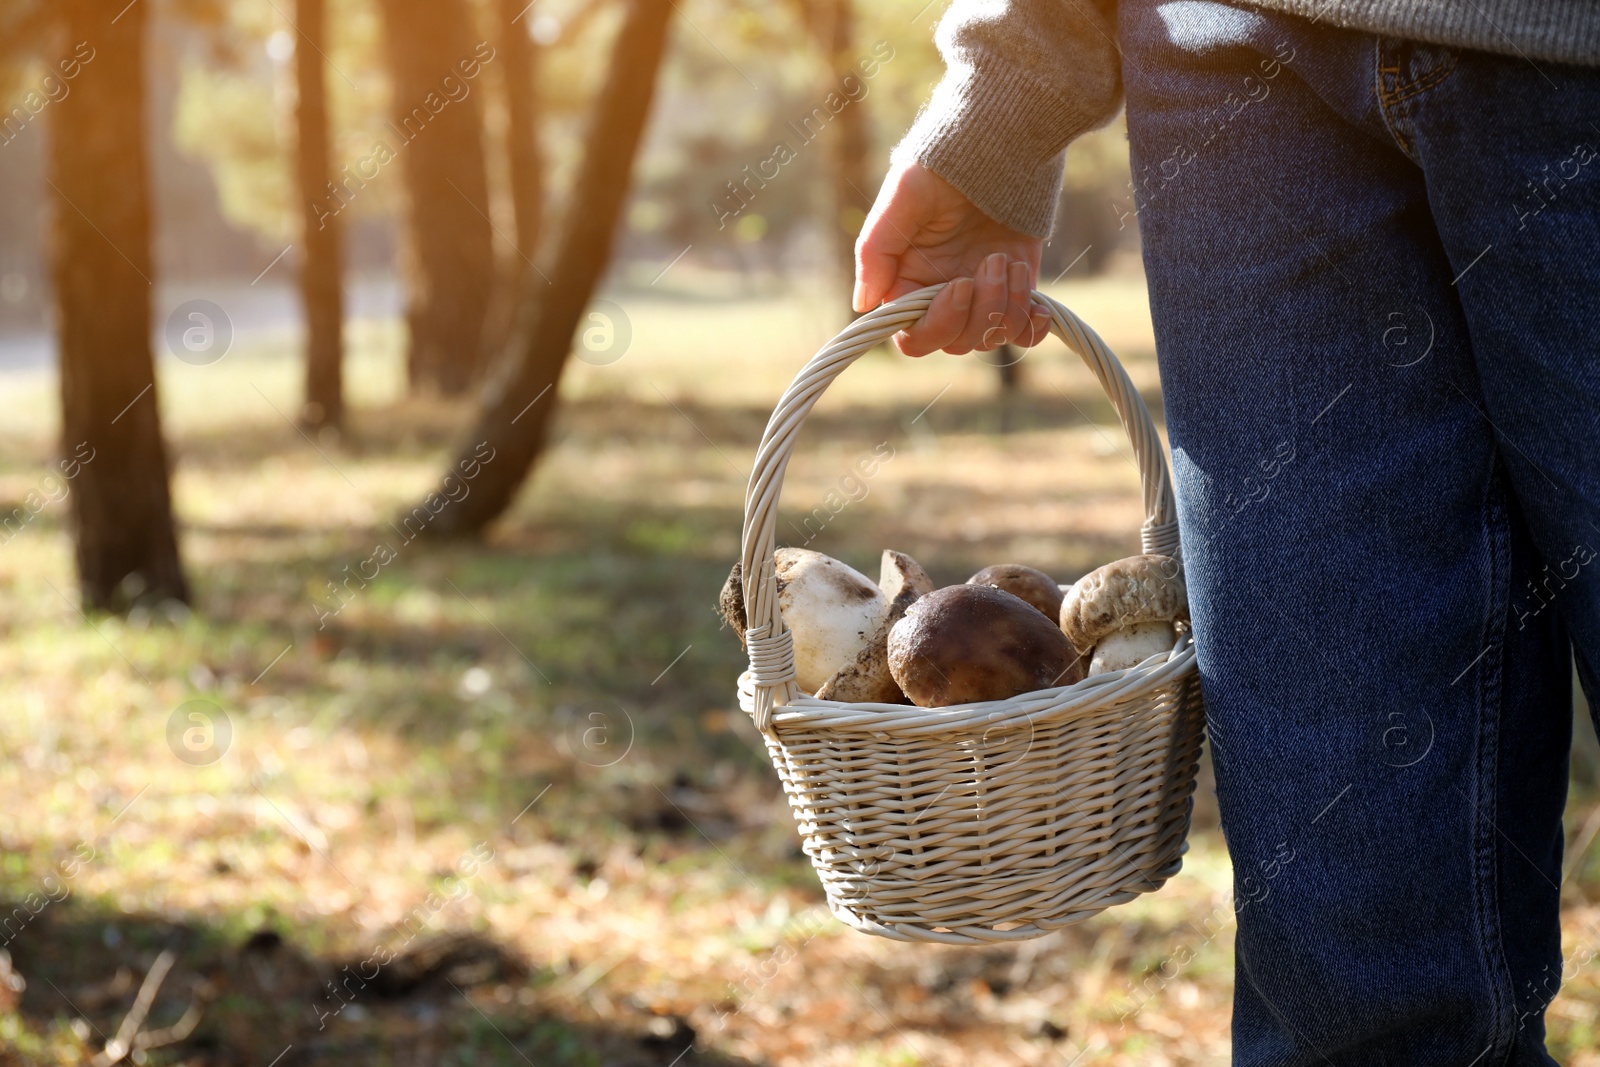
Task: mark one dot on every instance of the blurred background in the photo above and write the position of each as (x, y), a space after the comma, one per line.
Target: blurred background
(380, 379)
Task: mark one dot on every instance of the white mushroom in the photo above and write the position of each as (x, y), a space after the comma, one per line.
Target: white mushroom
(832, 610)
(1131, 646)
(866, 679)
(900, 576)
(1124, 612)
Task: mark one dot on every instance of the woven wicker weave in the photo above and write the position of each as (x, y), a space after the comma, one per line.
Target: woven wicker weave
(982, 822)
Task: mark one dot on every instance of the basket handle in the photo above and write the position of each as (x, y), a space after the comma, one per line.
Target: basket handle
(767, 639)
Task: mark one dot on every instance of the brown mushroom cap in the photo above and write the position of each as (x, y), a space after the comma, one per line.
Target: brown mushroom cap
(730, 602)
(1034, 586)
(967, 643)
(1139, 589)
(867, 679)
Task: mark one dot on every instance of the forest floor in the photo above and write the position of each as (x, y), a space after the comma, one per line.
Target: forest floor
(501, 795)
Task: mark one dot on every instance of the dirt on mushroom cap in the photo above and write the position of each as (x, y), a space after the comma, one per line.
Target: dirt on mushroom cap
(730, 602)
(841, 579)
(831, 608)
(868, 679)
(1123, 593)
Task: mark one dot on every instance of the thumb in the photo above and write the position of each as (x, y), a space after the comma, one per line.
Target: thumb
(881, 244)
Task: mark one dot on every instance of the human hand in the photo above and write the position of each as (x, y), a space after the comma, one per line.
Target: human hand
(923, 230)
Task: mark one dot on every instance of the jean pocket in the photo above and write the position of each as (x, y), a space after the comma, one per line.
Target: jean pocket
(1405, 70)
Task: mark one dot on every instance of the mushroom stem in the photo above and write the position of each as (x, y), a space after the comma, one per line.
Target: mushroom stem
(1131, 646)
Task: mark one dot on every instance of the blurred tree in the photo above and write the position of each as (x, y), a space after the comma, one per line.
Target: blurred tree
(111, 430)
(1094, 212)
(232, 117)
(321, 291)
(23, 218)
(1007, 361)
(438, 126)
(234, 113)
(519, 80)
(516, 413)
(521, 72)
(23, 26)
(832, 27)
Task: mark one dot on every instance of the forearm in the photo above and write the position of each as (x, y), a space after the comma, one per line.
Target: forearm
(1024, 77)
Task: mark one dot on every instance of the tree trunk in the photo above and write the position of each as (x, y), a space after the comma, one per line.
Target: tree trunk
(320, 290)
(832, 24)
(519, 71)
(516, 410)
(114, 460)
(448, 242)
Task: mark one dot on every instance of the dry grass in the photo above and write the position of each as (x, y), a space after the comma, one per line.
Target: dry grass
(479, 766)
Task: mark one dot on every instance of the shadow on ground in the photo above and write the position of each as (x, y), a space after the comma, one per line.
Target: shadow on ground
(440, 999)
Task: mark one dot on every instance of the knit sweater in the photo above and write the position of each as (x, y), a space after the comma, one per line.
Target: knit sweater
(1025, 77)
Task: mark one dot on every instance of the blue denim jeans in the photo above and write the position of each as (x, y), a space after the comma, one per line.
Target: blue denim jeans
(1374, 269)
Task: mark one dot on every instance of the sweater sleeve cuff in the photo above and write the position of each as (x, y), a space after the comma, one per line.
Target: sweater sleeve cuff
(982, 132)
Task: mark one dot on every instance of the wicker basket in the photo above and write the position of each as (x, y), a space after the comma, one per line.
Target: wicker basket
(985, 822)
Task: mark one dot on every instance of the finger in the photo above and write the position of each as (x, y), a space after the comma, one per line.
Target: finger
(1038, 329)
(883, 241)
(878, 254)
(902, 285)
(1040, 318)
(942, 324)
(986, 319)
(1019, 298)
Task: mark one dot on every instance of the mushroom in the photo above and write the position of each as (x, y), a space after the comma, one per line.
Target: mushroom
(1124, 613)
(730, 602)
(829, 607)
(968, 643)
(832, 609)
(867, 678)
(1034, 586)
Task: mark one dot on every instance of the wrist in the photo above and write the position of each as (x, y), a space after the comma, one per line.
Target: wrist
(997, 136)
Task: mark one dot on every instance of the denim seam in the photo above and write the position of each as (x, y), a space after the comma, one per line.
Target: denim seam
(1406, 90)
(1393, 90)
(1388, 102)
(1486, 867)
